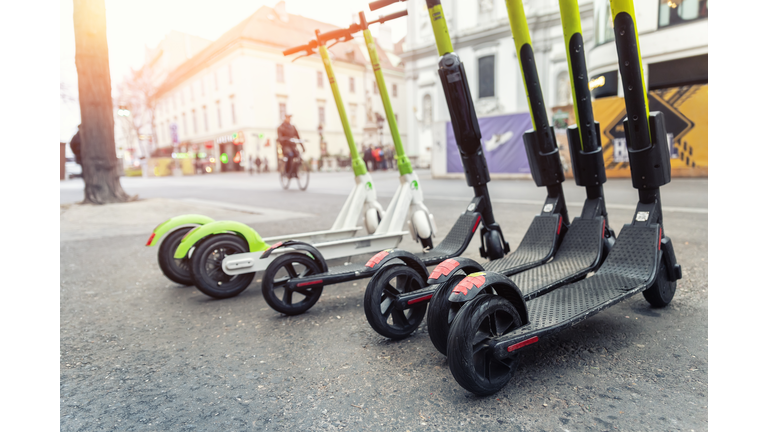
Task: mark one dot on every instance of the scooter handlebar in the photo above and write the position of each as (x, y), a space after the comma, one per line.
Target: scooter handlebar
(335, 34)
(390, 17)
(378, 4)
(300, 48)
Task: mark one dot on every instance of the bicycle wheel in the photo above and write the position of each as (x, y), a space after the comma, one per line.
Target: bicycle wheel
(302, 175)
(285, 179)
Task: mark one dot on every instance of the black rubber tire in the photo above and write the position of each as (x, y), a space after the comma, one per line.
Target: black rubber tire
(302, 174)
(206, 266)
(473, 366)
(284, 303)
(177, 270)
(380, 292)
(662, 291)
(494, 246)
(438, 324)
(285, 179)
(426, 243)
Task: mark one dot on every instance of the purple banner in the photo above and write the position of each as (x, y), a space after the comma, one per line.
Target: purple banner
(502, 144)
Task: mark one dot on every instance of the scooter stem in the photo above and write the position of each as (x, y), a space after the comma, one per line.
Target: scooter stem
(403, 163)
(358, 166)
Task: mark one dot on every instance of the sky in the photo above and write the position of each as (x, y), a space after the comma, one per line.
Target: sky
(134, 25)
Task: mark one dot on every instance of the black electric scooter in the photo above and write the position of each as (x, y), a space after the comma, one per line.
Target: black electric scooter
(496, 322)
(310, 284)
(385, 300)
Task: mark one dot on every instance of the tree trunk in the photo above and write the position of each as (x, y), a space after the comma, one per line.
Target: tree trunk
(101, 170)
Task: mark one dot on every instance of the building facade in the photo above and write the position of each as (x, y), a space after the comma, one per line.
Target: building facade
(672, 41)
(224, 105)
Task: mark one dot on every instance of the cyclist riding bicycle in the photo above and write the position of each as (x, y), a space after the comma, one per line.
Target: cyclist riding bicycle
(288, 137)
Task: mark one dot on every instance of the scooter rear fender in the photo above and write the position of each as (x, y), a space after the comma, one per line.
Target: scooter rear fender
(382, 258)
(487, 282)
(175, 223)
(255, 242)
(450, 267)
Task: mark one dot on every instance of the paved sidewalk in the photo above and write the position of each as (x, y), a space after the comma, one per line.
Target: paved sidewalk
(79, 222)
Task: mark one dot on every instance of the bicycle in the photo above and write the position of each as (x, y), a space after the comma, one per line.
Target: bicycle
(299, 171)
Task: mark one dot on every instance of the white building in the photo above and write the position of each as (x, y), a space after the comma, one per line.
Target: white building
(481, 36)
(231, 97)
(175, 49)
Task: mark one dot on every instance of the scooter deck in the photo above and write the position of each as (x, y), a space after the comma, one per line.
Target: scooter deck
(579, 253)
(538, 245)
(628, 269)
(452, 245)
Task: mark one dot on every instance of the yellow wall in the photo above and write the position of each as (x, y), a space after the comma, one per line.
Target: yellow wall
(685, 114)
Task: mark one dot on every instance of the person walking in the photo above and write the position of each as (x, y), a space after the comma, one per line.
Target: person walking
(258, 165)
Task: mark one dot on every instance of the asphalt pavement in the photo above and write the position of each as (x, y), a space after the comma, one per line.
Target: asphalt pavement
(139, 352)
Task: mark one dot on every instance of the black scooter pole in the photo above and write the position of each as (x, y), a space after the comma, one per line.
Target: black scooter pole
(466, 130)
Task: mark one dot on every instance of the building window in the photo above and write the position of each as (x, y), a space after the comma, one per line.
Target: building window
(229, 67)
(319, 79)
(218, 112)
(283, 111)
(375, 88)
(673, 12)
(321, 115)
(603, 22)
(353, 115)
(205, 118)
(194, 121)
(486, 75)
(202, 87)
(184, 122)
(215, 81)
(181, 94)
(173, 99)
(232, 102)
(351, 84)
(280, 74)
(394, 90)
(426, 110)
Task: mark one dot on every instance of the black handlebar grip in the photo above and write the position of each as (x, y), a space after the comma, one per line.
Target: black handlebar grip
(295, 49)
(390, 17)
(333, 34)
(378, 4)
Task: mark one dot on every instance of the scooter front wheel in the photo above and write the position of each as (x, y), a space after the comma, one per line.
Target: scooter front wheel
(662, 291)
(470, 355)
(274, 284)
(174, 269)
(439, 317)
(381, 296)
(207, 268)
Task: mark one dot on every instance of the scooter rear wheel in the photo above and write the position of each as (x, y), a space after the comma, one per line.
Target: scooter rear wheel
(438, 323)
(470, 356)
(279, 272)
(207, 268)
(174, 269)
(380, 297)
(662, 291)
